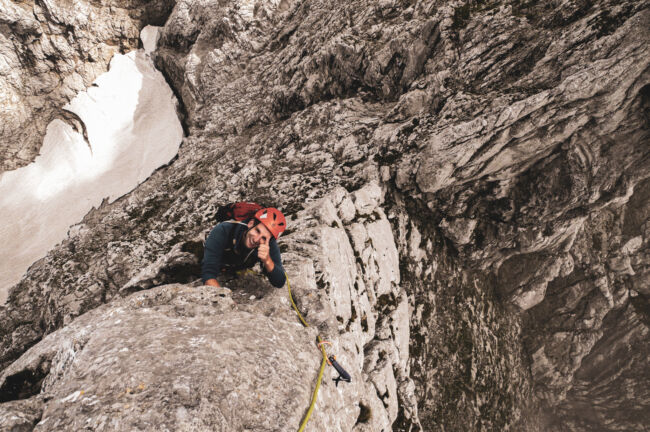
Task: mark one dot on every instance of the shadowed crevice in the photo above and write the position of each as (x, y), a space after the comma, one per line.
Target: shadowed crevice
(24, 384)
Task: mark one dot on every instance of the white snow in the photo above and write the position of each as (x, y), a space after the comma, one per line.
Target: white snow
(149, 37)
(132, 127)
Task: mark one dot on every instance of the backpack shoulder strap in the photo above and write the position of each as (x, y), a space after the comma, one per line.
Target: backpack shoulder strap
(235, 221)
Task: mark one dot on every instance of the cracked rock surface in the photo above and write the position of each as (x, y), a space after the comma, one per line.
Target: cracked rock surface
(173, 358)
(466, 185)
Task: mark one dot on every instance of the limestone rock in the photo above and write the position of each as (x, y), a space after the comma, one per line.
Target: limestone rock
(174, 358)
(458, 230)
(528, 119)
(21, 415)
(173, 316)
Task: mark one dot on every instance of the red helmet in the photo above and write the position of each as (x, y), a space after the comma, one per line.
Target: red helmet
(273, 219)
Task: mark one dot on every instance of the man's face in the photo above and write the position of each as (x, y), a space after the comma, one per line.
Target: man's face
(257, 235)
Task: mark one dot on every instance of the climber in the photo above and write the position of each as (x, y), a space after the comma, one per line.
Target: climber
(235, 245)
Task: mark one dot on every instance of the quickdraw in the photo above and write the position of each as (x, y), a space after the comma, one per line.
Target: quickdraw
(331, 360)
(343, 375)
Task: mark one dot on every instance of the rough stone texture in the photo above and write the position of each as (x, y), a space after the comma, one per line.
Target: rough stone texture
(357, 303)
(509, 144)
(21, 415)
(589, 335)
(50, 51)
(184, 357)
(173, 358)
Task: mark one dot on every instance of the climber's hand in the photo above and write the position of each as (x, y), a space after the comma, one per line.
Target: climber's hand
(263, 251)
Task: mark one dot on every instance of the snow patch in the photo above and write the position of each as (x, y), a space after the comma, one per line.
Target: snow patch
(132, 128)
(149, 37)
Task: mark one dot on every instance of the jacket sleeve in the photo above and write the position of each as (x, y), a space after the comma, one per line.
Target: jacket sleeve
(214, 245)
(277, 276)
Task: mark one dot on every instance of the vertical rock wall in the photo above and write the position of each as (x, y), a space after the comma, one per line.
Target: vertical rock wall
(227, 360)
(343, 265)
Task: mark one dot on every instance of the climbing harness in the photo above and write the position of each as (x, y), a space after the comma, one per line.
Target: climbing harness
(343, 375)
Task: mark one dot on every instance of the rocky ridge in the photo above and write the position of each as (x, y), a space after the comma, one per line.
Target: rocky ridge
(509, 140)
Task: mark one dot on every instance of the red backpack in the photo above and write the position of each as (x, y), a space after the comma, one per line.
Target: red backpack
(238, 211)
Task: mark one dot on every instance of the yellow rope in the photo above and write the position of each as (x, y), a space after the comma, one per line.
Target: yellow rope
(322, 365)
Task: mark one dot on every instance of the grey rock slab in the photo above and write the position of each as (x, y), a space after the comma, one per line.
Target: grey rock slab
(459, 230)
(21, 415)
(176, 357)
(338, 261)
(385, 260)
(367, 198)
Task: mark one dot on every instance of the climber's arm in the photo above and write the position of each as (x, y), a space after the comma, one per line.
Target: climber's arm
(212, 255)
(272, 267)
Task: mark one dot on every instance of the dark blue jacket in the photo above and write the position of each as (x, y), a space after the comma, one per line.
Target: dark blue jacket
(225, 251)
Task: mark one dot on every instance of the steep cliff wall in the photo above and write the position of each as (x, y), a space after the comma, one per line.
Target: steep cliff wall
(510, 143)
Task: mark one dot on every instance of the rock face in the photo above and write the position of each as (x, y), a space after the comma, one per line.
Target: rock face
(130, 129)
(172, 358)
(49, 52)
(184, 357)
(481, 168)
